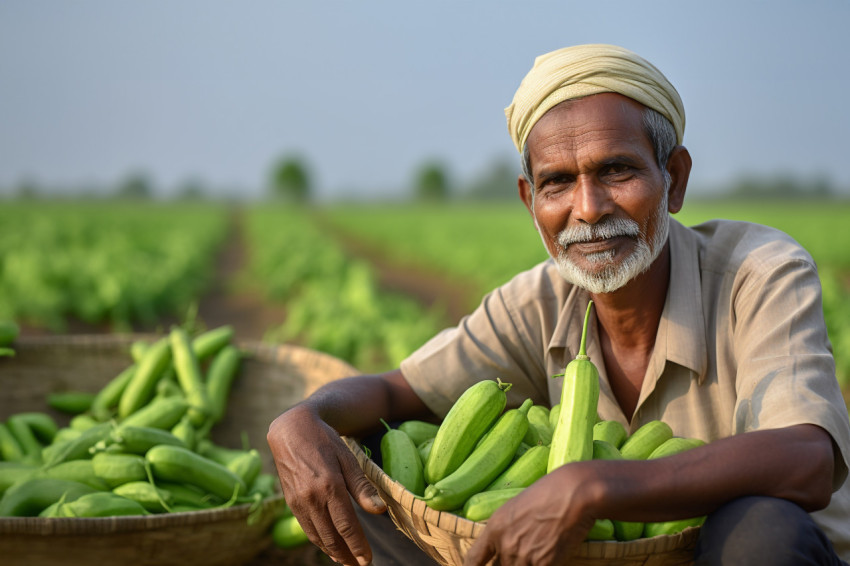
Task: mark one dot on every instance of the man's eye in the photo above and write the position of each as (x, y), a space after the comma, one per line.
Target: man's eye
(558, 183)
(554, 188)
(616, 169)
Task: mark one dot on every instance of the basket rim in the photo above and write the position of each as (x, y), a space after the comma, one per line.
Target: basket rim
(131, 523)
(464, 528)
(411, 502)
(255, 347)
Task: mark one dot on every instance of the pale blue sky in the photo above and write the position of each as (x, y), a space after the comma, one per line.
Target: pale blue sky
(366, 90)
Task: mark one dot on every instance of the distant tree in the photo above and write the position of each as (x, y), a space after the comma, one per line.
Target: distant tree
(822, 187)
(290, 180)
(136, 186)
(87, 192)
(191, 189)
(782, 185)
(432, 182)
(28, 190)
(498, 181)
(746, 186)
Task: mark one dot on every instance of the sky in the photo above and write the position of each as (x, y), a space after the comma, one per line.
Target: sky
(212, 91)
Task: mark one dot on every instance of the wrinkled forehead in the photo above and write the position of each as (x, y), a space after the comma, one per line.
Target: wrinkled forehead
(608, 120)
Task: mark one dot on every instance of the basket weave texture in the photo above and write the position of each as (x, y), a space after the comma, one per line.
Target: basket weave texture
(446, 537)
(272, 379)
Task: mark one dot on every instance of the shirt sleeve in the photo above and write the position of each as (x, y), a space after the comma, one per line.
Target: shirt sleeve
(501, 339)
(786, 370)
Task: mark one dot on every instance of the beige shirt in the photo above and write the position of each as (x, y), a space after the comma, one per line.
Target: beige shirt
(741, 346)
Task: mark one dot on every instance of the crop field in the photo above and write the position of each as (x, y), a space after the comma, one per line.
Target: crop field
(485, 244)
(320, 274)
(333, 301)
(112, 263)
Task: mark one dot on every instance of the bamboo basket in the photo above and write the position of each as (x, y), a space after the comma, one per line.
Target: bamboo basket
(446, 537)
(272, 378)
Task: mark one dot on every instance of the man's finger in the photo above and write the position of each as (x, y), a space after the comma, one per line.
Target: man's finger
(332, 540)
(312, 533)
(348, 527)
(359, 486)
(344, 537)
(317, 512)
(480, 553)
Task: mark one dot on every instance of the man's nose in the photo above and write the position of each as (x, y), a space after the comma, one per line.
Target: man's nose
(593, 200)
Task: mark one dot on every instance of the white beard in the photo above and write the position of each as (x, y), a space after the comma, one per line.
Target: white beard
(611, 276)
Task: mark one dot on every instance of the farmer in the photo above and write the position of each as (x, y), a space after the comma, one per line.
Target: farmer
(716, 330)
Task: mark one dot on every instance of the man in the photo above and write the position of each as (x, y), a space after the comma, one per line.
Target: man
(717, 330)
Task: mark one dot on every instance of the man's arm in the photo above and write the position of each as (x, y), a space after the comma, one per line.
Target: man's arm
(548, 521)
(316, 469)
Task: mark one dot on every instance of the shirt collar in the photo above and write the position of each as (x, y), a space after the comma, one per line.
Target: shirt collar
(681, 336)
(567, 334)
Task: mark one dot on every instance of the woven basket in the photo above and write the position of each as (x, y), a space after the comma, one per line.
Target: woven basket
(446, 537)
(271, 380)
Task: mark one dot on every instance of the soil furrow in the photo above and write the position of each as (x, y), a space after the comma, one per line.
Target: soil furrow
(233, 299)
(428, 287)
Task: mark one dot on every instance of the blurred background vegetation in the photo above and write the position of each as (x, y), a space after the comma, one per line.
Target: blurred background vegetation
(365, 280)
(291, 179)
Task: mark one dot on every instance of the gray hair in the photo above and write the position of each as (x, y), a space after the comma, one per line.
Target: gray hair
(661, 135)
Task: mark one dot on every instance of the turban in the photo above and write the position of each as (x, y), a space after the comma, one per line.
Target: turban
(582, 70)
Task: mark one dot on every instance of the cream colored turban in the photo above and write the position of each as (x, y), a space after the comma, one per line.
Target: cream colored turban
(574, 72)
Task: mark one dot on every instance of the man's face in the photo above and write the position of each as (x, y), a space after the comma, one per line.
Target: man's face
(600, 201)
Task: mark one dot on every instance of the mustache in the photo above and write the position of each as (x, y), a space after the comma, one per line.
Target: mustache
(602, 230)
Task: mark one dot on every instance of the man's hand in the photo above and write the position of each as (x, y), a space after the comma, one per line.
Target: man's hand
(317, 473)
(542, 526)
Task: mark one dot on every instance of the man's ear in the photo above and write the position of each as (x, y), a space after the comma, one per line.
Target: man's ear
(525, 190)
(679, 168)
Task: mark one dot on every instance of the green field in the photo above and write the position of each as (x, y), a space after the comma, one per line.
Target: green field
(130, 265)
(333, 301)
(486, 244)
(113, 263)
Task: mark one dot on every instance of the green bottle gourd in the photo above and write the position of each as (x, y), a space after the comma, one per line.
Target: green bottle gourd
(572, 440)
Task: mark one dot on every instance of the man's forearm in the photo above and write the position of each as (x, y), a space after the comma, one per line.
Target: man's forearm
(794, 463)
(355, 405)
